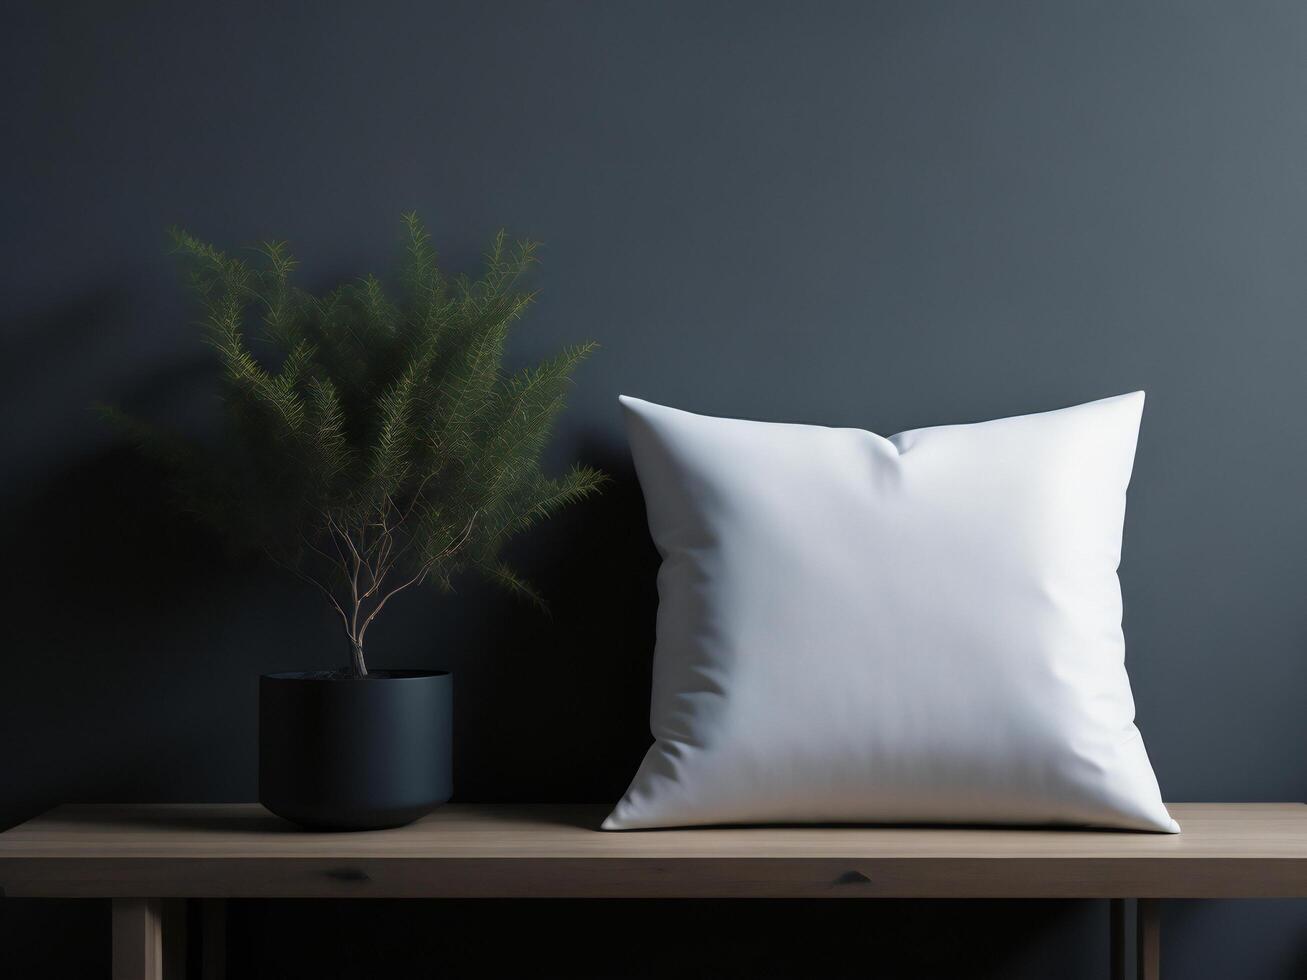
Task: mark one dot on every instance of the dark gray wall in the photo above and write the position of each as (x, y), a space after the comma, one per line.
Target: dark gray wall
(879, 214)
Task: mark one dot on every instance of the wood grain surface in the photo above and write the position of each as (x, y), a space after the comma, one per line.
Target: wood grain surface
(240, 850)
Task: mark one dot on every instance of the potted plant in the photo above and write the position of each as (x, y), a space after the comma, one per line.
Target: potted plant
(370, 444)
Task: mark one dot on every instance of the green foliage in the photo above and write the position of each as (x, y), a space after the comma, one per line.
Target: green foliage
(372, 442)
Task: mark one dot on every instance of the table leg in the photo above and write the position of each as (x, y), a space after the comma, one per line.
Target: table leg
(137, 939)
(1116, 922)
(1148, 920)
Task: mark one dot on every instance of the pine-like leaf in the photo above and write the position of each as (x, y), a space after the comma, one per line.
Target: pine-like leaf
(520, 421)
(505, 577)
(550, 496)
(326, 426)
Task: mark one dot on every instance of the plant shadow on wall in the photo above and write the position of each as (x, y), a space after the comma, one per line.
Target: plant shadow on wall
(150, 633)
(101, 581)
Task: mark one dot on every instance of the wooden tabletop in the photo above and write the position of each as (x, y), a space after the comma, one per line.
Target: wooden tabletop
(240, 850)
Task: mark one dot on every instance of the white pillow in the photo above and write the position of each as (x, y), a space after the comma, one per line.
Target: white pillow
(920, 629)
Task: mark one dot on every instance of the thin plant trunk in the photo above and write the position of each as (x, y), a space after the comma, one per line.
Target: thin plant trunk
(358, 666)
(363, 565)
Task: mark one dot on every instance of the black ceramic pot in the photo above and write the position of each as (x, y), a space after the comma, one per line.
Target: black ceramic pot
(355, 753)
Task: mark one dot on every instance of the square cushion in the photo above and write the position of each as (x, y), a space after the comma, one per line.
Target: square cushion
(919, 629)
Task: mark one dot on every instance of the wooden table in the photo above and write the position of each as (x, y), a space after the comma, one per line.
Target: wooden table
(148, 859)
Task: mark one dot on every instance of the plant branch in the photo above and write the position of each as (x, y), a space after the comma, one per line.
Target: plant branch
(423, 571)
